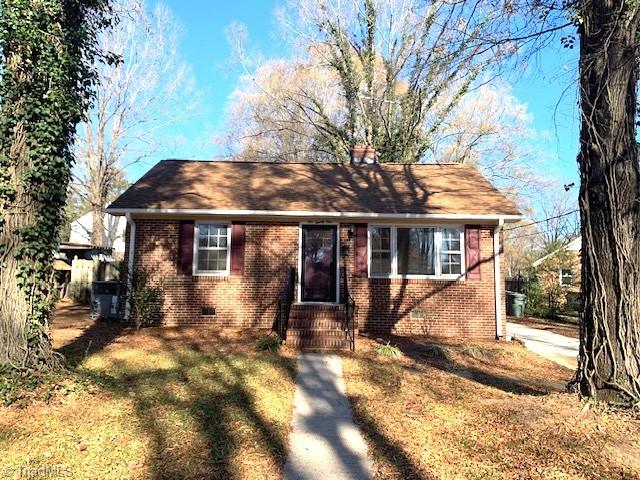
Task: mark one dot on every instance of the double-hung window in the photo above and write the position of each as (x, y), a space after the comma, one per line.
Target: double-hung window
(380, 250)
(450, 251)
(428, 251)
(212, 249)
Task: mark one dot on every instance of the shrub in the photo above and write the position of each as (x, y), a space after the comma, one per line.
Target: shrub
(270, 343)
(477, 352)
(146, 300)
(437, 352)
(388, 350)
(573, 302)
(9, 388)
(538, 301)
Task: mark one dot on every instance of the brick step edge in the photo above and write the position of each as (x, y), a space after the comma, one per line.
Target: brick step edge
(315, 324)
(315, 329)
(317, 343)
(319, 334)
(318, 314)
(305, 307)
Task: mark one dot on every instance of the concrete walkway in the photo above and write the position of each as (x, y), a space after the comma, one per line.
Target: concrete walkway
(324, 443)
(557, 348)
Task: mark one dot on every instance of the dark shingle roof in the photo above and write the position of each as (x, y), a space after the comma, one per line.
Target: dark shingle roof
(315, 187)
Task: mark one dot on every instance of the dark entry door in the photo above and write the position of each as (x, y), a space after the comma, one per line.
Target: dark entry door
(319, 263)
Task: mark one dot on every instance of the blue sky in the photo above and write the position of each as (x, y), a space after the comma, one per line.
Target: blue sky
(546, 86)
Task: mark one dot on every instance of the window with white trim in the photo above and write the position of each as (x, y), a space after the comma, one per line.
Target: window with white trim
(212, 248)
(566, 276)
(381, 250)
(416, 251)
(450, 251)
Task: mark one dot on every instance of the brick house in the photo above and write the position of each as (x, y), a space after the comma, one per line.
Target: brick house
(417, 247)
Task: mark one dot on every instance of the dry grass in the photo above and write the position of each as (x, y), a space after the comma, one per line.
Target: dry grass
(164, 403)
(482, 410)
(191, 403)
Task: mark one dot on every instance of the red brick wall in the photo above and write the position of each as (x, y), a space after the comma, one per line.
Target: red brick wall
(463, 308)
(436, 307)
(244, 300)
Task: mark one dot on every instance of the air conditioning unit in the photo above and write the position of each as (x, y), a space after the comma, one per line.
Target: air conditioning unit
(105, 299)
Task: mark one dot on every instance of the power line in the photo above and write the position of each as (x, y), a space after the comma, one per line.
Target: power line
(508, 239)
(542, 221)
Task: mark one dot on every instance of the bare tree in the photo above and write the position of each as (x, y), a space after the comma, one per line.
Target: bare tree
(268, 118)
(489, 127)
(299, 108)
(522, 243)
(392, 73)
(148, 89)
(559, 219)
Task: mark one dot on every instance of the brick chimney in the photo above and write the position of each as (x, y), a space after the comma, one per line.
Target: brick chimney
(363, 155)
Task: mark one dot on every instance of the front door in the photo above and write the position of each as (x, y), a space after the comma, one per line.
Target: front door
(319, 263)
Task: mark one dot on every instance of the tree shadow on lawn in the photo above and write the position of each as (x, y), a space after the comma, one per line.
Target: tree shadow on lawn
(441, 355)
(378, 378)
(217, 403)
(401, 463)
(194, 392)
(76, 334)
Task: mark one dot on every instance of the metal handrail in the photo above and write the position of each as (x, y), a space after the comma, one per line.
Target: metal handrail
(283, 306)
(348, 318)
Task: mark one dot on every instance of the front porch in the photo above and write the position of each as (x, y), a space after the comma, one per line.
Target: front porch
(316, 325)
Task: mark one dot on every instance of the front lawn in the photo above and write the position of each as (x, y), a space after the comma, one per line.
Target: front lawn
(163, 403)
(481, 410)
(200, 402)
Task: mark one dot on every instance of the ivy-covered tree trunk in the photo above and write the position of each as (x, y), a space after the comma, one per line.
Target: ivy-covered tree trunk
(46, 49)
(609, 368)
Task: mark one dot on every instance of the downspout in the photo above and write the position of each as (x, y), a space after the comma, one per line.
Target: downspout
(132, 246)
(496, 275)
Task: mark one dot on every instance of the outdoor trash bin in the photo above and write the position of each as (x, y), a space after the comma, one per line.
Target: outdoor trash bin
(515, 304)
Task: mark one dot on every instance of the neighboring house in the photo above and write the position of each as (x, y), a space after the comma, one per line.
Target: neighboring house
(559, 274)
(113, 236)
(420, 245)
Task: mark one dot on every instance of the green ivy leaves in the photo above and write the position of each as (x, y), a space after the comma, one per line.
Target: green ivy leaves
(47, 49)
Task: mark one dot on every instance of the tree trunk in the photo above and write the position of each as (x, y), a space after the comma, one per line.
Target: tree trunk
(97, 228)
(15, 304)
(47, 49)
(98, 188)
(609, 365)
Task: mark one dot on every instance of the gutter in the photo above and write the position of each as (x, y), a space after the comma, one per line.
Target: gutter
(314, 214)
(130, 260)
(498, 279)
